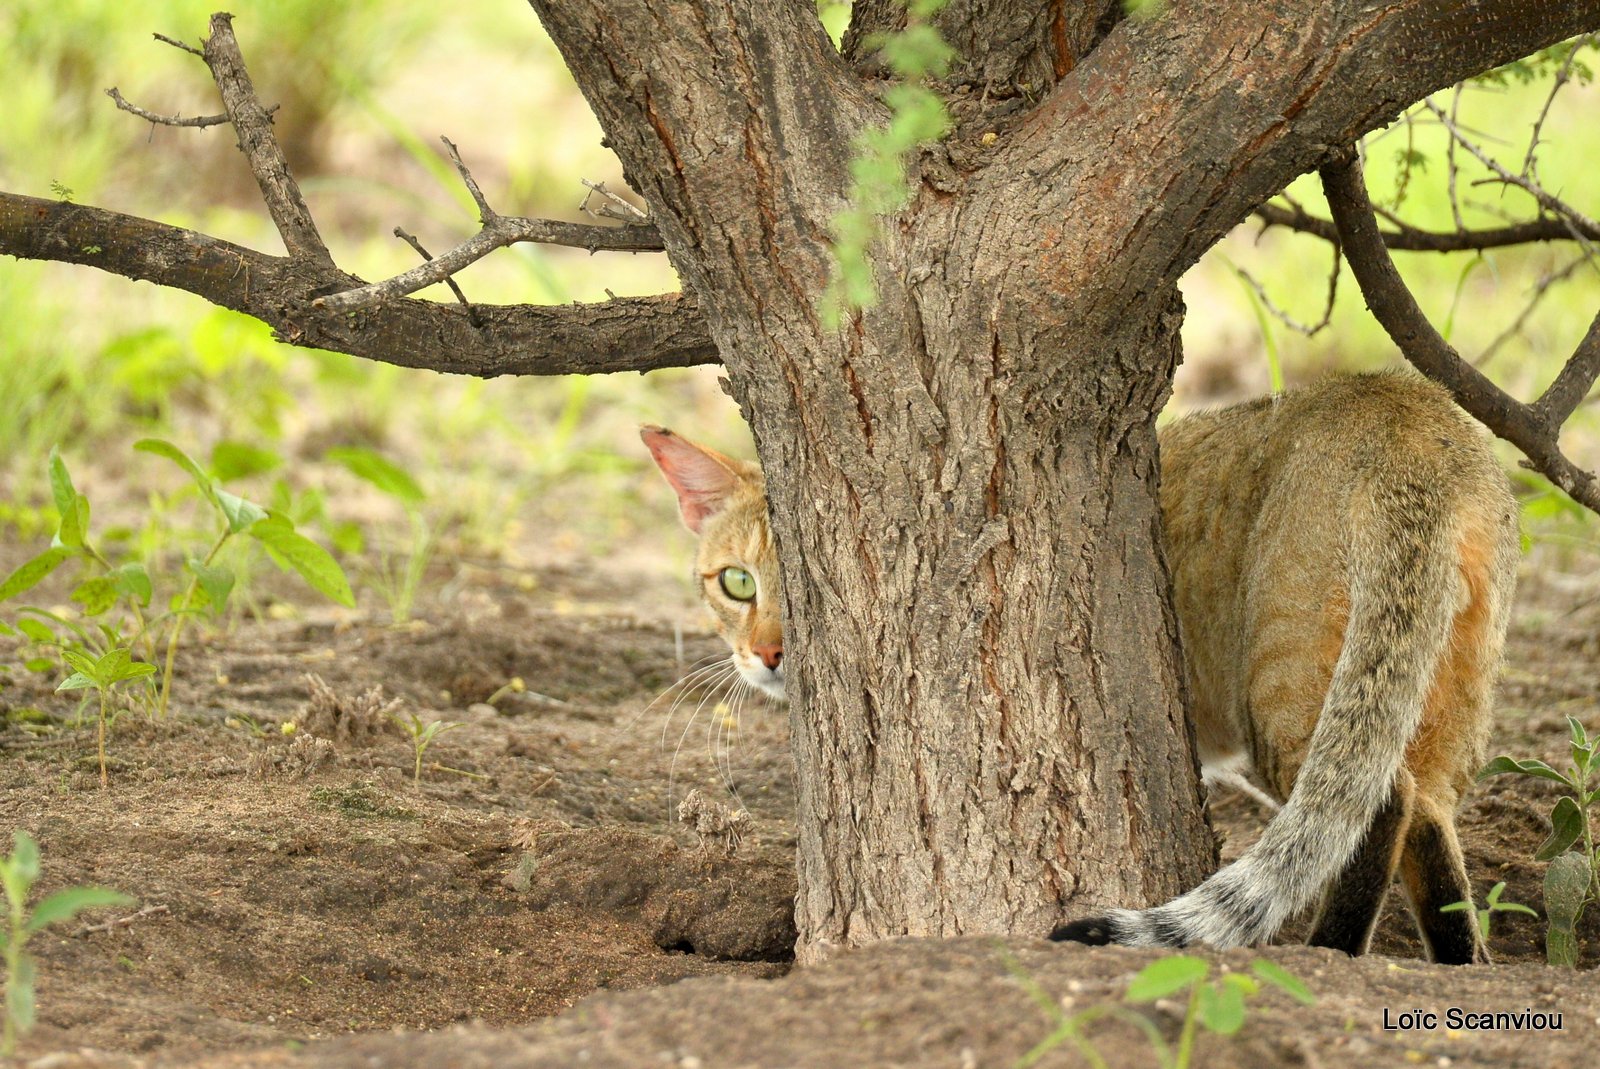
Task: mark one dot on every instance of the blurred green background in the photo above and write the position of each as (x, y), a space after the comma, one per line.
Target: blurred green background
(521, 470)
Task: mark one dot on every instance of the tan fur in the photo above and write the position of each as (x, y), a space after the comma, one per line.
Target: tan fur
(1272, 511)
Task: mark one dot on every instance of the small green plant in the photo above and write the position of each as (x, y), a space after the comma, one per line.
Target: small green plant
(1572, 881)
(105, 586)
(18, 871)
(101, 675)
(422, 734)
(398, 575)
(1219, 1006)
(1491, 906)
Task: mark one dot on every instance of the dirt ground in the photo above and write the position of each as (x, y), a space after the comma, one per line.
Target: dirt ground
(536, 900)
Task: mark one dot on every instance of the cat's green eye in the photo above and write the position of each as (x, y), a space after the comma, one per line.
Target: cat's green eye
(738, 584)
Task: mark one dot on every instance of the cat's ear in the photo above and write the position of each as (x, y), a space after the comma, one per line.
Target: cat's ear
(702, 478)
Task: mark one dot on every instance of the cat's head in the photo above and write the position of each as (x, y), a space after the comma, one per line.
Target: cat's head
(723, 501)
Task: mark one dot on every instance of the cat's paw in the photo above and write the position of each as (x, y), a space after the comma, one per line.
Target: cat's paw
(1095, 931)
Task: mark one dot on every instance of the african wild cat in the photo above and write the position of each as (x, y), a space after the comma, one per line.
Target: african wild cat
(1342, 559)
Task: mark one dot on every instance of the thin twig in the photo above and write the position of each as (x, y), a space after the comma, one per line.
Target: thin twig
(1407, 238)
(121, 922)
(1284, 317)
(191, 49)
(1391, 302)
(472, 314)
(624, 210)
(166, 120)
(1530, 163)
(1451, 170)
(486, 214)
(504, 230)
(498, 231)
(253, 124)
(1547, 200)
(1540, 290)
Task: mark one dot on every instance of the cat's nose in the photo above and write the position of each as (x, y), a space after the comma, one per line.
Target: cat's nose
(771, 654)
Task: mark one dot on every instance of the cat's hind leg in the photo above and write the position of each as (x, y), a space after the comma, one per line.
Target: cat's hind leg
(1435, 876)
(1354, 900)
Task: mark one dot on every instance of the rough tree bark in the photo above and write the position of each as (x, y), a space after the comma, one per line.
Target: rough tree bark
(987, 699)
(987, 696)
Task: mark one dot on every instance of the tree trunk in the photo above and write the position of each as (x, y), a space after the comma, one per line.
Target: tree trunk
(985, 681)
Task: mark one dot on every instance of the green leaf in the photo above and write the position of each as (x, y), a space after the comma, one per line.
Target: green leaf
(1163, 977)
(30, 574)
(36, 630)
(39, 664)
(240, 460)
(314, 563)
(1221, 1008)
(80, 661)
(216, 582)
(1579, 736)
(166, 449)
(61, 488)
(1503, 765)
(24, 858)
(380, 471)
(1566, 825)
(1514, 907)
(64, 905)
(97, 594)
(134, 581)
(76, 681)
(241, 514)
(1284, 980)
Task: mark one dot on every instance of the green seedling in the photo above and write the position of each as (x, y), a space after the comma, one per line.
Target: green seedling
(422, 734)
(102, 675)
(1572, 881)
(1219, 1006)
(18, 871)
(206, 582)
(398, 575)
(1491, 906)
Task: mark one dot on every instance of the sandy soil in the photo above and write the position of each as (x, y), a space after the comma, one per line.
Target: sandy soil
(536, 900)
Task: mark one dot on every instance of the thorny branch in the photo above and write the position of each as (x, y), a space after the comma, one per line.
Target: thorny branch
(1535, 428)
(1406, 238)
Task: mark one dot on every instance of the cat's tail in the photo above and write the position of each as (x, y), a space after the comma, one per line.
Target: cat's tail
(1404, 584)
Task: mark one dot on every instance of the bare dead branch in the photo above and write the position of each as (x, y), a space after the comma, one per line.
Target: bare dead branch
(253, 124)
(628, 334)
(410, 239)
(500, 231)
(624, 210)
(1551, 203)
(1391, 302)
(1530, 162)
(164, 120)
(191, 49)
(1405, 238)
(1309, 330)
(486, 214)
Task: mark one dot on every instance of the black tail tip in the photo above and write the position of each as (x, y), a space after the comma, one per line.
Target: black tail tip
(1096, 932)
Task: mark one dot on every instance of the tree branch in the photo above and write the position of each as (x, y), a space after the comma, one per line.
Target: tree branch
(1530, 428)
(498, 232)
(1414, 239)
(626, 334)
(253, 124)
(198, 121)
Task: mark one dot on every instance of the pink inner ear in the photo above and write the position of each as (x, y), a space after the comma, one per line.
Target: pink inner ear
(700, 477)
